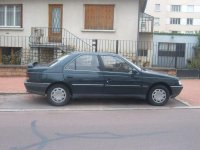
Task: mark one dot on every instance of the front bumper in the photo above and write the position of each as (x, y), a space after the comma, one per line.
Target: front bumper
(36, 88)
(176, 90)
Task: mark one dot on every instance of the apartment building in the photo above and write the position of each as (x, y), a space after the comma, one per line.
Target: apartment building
(177, 16)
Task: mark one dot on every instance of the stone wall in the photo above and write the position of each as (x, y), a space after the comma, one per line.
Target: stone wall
(12, 71)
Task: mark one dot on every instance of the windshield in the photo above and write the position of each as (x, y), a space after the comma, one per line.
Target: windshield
(51, 64)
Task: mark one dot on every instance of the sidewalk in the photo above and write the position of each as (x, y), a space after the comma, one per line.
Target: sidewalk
(12, 85)
(190, 93)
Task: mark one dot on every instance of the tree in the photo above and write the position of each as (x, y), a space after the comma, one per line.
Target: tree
(194, 63)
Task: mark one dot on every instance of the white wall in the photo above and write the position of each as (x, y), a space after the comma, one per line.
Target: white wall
(189, 40)
(35, 14)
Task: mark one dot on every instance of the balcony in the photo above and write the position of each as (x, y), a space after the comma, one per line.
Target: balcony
(59, 38)
(146, 23)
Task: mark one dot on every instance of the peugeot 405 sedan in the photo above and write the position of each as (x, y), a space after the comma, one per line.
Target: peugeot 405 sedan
(87, 74)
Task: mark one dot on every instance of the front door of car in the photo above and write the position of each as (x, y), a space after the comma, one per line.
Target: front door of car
(120, 78)
(83, 75)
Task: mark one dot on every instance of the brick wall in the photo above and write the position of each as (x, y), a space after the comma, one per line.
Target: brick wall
(12, 71)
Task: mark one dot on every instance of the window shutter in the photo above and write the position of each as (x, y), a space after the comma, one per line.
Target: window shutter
(184, 8)
(99, 17)
(196, 22)
(168, 7)
(183, 21)
(196, 8)
(168, 21)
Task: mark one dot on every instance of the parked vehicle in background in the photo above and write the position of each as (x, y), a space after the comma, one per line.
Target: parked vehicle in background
(86, 74)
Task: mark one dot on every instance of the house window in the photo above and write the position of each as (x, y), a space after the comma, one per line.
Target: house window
(143, 52)
(156, 21)
(171, 49)
(175, 20)
(189, 21)
(174, 32)
(157, 7)
(10, 15)
(10, 55)
(190, 8)
(99, 17)
(175, 8)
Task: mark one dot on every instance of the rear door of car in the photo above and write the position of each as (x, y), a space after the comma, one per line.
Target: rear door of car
(84, 76)
(120, 77)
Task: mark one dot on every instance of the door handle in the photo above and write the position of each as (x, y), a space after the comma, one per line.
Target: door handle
(108, 81)
(69, 77)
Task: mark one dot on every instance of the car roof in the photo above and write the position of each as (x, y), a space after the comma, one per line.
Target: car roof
(95, 53)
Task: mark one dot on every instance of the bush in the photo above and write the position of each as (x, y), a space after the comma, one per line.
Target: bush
(194, 63)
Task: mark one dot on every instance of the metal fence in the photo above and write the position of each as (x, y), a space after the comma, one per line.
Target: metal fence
(145, 54)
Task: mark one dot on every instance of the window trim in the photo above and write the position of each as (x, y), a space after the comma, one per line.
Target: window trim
(175, 8)
(157, 7)
(175, 21)
(190, 21)
(157, 21)
(189, 10)
(5, 26)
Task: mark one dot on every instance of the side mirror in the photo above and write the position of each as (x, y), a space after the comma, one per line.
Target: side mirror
(134, 72)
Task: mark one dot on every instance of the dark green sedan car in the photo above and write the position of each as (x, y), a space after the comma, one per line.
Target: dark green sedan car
(82, 74)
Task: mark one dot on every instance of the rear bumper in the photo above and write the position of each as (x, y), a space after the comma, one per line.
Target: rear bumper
(36, 88)
(176, 90)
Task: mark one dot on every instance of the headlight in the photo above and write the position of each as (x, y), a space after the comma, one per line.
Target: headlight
(179, 82)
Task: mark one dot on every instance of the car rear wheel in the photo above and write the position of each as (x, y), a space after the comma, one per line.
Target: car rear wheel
(158, 95)
(58, 95)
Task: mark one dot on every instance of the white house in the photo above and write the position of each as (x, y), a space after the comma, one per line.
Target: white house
(43, 26)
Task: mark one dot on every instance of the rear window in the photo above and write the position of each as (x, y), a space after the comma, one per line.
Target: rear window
(53, 63)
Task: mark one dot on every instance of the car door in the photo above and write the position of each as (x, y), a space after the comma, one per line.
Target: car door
(120, 77)
(83, 75)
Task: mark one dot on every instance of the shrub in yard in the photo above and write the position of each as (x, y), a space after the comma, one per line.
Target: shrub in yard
(194, 63)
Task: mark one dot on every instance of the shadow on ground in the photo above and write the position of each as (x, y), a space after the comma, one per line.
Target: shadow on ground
(31, 101)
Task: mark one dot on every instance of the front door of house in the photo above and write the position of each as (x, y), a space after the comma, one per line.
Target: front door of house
(55, 22)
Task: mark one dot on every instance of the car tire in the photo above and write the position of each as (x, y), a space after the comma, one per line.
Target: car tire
(158, 95)
(58, 95)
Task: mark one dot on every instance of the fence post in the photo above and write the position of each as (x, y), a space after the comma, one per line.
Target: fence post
(94, 43)
(117, 46)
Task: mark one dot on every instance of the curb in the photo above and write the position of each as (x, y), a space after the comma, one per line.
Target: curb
(10, 93)
(184, 102)
(94, 109)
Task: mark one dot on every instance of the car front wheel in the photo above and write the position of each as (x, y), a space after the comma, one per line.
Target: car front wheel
(58, 95)
(158, 95)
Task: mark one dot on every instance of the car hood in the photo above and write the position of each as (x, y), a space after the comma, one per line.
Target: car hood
(151, 73)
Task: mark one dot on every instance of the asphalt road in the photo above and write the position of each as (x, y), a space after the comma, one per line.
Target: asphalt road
(34, 102)
(166, 129)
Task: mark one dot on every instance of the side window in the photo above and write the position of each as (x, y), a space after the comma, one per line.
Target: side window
(84, 62)
(115, 64)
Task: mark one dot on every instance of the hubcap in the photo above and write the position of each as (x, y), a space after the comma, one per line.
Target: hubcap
(159, 95)
(58, 95)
